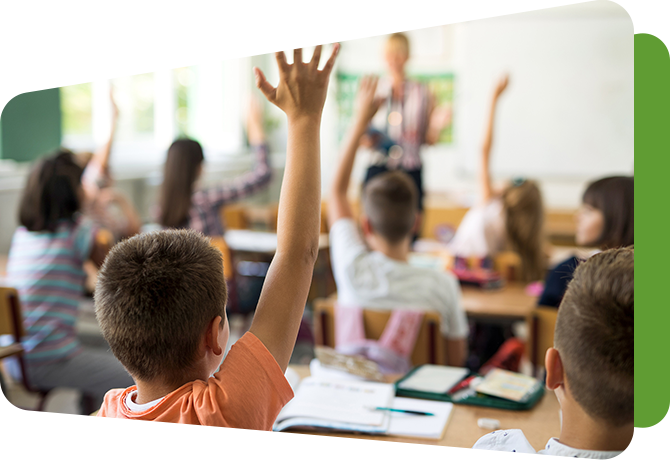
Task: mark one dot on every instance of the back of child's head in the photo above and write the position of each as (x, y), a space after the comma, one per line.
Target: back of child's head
(594, 336)
(524, 222)
(613, 196)
(52, 194)
(390, 203)
(182, 166)
(156, 293)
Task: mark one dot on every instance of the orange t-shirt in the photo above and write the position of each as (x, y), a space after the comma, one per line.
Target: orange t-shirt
(248, 392)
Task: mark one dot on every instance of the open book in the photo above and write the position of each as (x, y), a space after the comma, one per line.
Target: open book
(327, 404)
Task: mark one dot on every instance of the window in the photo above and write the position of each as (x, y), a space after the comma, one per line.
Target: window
(164, 60)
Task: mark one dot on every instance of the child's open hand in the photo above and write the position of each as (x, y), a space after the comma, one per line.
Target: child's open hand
(501, 85)
(301, 91)
(367, 102)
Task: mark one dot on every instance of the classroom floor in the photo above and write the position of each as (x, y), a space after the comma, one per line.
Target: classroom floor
(59, 428)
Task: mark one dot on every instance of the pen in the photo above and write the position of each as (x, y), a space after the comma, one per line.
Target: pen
(403, 411)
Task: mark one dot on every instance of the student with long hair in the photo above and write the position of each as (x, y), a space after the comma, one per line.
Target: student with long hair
(183, 205)
(604, 221)
(45, 265)
(512, 219)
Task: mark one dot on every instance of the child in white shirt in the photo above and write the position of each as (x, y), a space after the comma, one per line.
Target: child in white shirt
(591, 367)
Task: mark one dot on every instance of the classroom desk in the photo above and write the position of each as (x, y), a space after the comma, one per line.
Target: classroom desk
(539, 424)
(508, 303)
(261, 246)
(260, 242)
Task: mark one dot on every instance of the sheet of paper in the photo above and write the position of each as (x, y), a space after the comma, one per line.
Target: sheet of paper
(507, 385)
(434, 379)
(340, 401)
(419, 426)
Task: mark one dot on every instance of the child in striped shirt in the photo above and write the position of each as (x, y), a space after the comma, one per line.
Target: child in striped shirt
(46, 266)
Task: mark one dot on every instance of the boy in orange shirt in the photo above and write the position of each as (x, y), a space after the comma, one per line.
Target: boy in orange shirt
(161, 297)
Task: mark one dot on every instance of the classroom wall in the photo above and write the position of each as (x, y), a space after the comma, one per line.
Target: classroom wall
(566, 118)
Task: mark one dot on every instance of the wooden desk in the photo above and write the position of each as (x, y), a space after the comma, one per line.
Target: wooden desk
(260, 242)
(511, 302)
(539, 424)
(261, 246)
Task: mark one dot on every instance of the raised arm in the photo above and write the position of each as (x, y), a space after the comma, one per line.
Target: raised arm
(485, 188)
(251, 182)
(301, 93)
(96, 175)
(366, 107)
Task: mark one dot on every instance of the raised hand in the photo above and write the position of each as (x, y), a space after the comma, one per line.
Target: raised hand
(302, 87)
(255, 131)
(501, 85)
(367, 102)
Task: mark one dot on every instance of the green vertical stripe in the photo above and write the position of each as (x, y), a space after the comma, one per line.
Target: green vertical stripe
(652, 158)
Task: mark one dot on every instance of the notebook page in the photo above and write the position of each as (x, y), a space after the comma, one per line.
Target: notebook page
(419, 426)
(340, 401)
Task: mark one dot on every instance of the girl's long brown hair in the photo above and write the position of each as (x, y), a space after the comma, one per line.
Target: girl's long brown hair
(52, 193)
(524, 223)
(614, 197)
(184, 159)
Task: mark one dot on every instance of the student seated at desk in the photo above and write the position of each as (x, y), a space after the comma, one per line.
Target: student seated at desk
(183, 205)
(46, 266)
(604, 220)
(591, 367)
(512, 218)
(377, 275)
(161, 296)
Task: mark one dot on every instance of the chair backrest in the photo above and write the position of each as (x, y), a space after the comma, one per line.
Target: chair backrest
(233, 217)
(508, 264)
(542, 336)
(429, 347)
(219, 243)
(11, 321)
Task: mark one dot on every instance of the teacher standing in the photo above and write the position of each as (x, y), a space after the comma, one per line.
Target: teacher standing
(408, 117)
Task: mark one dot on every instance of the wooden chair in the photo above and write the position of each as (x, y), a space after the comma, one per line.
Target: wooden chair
(542, 336)
(11, 323)
(429, 347)
(508, 264)
(228, 269)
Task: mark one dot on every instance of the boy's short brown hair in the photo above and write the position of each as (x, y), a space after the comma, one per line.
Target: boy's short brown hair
(594, 336)
(155, 296)
(390, 203)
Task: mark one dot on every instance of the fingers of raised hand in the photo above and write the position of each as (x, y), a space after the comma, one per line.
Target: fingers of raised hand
(297, 46)
(316, 57)
(281, 62)
(266, 88)
(331, 60)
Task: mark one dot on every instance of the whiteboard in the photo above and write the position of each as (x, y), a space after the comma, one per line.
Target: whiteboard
(568, 111)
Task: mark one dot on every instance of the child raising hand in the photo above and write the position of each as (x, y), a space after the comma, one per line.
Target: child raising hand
(179, 330)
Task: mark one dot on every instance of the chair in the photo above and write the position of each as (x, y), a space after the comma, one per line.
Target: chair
(542, 336)
(11, 323)
(429, 347)
(228, 269)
